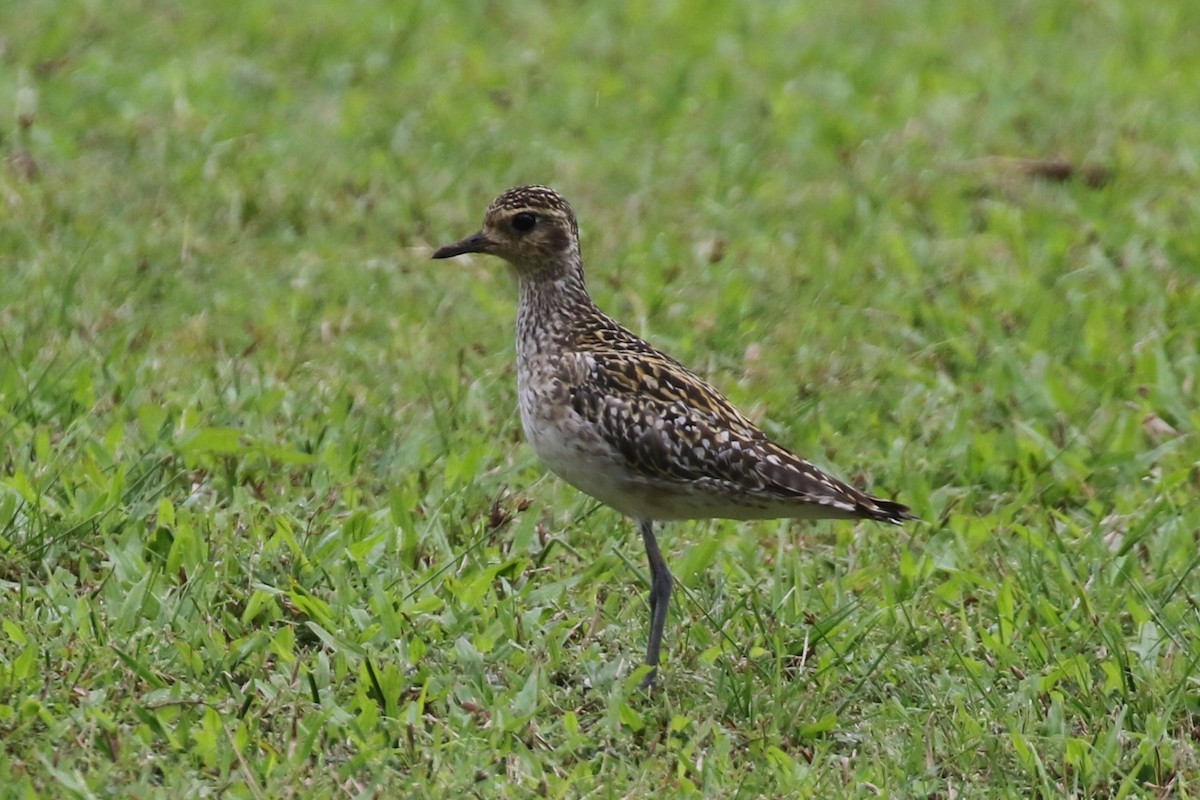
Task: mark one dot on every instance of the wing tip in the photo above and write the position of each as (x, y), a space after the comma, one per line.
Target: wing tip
(887, 511)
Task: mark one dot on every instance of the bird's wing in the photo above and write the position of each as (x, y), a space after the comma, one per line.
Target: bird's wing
(670, 425)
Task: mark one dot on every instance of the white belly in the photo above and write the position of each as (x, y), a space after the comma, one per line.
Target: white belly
(573, 450)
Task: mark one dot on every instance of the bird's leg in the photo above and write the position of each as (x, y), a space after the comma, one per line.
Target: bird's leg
(660, 598)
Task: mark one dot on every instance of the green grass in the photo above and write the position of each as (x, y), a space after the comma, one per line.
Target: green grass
(268, 527)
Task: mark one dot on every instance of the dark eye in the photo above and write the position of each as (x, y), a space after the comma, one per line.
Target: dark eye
(524, 222)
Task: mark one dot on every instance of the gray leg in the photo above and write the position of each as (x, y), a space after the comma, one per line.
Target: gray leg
(660, 597)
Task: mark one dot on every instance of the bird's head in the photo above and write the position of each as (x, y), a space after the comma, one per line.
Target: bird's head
(531, 227)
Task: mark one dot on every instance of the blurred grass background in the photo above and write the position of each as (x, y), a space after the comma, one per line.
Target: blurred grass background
(267, 524)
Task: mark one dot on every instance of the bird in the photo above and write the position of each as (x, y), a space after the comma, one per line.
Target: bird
(626, 423)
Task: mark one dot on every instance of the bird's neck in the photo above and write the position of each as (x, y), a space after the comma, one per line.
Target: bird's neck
(552, 303)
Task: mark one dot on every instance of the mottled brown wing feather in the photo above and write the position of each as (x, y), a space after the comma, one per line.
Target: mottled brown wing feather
(668, 424)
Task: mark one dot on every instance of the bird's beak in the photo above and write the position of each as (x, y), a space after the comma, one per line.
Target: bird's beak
(475, 243)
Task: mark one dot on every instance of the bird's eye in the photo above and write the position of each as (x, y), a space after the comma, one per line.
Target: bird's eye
(524, 222)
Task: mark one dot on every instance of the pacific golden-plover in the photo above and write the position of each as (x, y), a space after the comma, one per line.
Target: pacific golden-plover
(627, 424)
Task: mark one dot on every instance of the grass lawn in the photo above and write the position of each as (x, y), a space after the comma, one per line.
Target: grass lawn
(268, 527)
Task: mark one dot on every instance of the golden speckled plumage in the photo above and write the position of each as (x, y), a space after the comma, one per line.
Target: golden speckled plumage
(626, 423)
